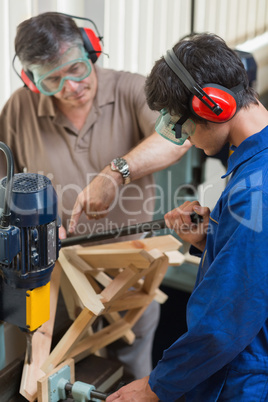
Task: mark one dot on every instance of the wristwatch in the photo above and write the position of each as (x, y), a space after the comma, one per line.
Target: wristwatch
(120, 165)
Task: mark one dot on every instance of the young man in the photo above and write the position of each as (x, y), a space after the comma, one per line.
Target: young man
(202, 86)
(71, 125)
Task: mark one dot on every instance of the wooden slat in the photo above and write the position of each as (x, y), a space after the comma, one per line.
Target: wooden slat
(83, 266)
(121, 283)
(175, 257)
(72, 336)
(160, 296)
(192, 259)
(155, 277)
(70, 297)
(132, 316)
(129, 336)
(117, 258)
(130, 300)
(99, 340)
(83, 288)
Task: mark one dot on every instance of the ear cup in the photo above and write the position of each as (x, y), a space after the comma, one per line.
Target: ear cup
(91, 43)
(27, 78)
(224, 97)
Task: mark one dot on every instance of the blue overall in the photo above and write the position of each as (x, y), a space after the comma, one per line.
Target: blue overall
(224, 354)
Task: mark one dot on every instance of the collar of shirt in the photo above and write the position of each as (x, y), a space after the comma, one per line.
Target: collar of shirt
(46, 106)
(106, 85)
(247, 149)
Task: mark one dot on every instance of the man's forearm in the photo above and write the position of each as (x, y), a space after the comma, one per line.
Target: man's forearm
(153, 154)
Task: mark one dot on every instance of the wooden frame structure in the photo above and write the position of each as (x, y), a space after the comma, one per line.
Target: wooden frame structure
(117, 281)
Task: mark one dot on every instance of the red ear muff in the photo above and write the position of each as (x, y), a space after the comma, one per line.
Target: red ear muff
(222, 96)
(27, 78)
(211, 102)
(91, 43)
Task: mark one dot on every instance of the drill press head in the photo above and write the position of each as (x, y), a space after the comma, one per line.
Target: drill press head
(29, 248)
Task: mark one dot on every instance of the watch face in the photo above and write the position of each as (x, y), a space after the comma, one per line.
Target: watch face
(120, 163)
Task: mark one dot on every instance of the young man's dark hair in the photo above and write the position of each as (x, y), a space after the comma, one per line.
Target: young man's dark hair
(209, 60)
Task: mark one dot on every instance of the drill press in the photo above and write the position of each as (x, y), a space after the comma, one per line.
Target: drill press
(29, 246)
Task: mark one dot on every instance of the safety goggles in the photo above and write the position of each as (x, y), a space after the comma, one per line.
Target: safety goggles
(73, 65)
(174, 128)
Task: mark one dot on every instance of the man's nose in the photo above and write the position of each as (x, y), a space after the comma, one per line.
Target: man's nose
(71, 85)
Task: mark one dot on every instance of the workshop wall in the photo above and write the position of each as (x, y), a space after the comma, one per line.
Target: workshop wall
(137, 32)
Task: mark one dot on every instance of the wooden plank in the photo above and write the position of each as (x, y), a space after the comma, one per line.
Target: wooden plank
(122, 282)
(129, 336)
(81, 285)
(160, 296)
(94, 283)
(192, 259)
(99, 340)
(42, 384)
(162, 243)
(70, 297)
(118, 258)
(83, 266)
(130, 300)
(41, 343)
(153, 280)
(132, 316)
(73, 334)
(175, 257)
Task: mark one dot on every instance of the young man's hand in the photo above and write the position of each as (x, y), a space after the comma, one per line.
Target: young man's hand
(179, 219)
(136, 391)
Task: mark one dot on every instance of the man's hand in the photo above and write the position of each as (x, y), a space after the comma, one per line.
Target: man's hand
(62, 232)
(97, 198)
(179, 219)
(136, 391)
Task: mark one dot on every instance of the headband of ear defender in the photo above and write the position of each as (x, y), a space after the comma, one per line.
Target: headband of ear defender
(212, 102)
(92, 45)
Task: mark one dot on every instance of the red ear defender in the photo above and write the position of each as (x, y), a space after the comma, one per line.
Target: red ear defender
(27, 78)
(211, 102)
(222, 96)
(91, 43)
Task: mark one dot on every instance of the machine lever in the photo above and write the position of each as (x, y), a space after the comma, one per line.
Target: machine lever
(144, 227)
(114, 233)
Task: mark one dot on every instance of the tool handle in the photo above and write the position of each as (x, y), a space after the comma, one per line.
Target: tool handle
(195, 218)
